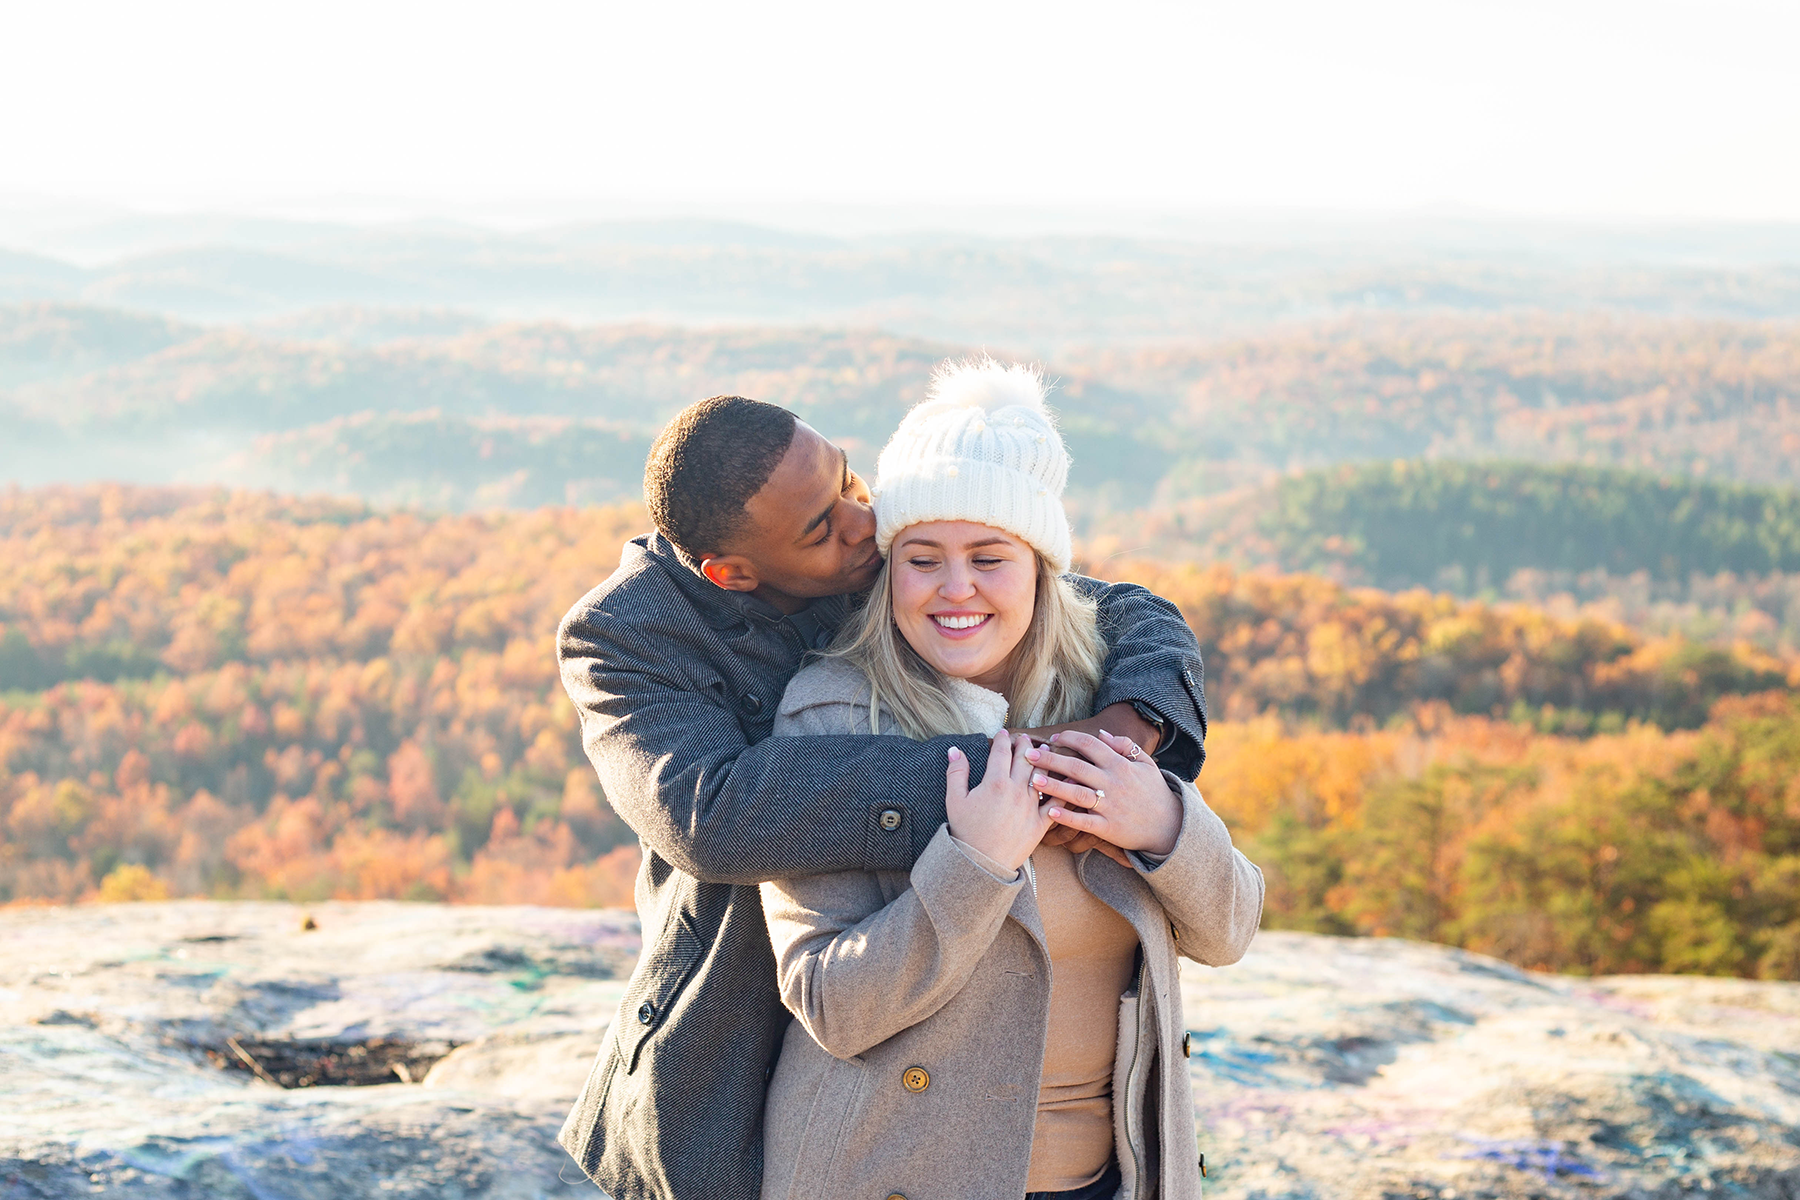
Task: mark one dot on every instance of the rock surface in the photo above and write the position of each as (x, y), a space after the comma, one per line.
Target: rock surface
(106, 1013)
(1322, 1067)
(1328, 1067)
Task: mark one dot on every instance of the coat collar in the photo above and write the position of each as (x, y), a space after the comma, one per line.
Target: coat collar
(719, 607)
(1122, 890)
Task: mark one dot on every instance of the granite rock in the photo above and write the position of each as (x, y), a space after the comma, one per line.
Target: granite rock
(1322, 1067)
(107, 1015)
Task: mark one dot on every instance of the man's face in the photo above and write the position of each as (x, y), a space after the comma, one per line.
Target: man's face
(810, 531)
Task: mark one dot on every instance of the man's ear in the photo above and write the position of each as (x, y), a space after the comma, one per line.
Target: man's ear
(733, 572)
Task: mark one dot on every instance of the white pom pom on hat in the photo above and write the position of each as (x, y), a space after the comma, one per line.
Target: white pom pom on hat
(981, 447)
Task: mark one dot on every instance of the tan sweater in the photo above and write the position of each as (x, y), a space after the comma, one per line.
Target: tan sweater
(1093, 951)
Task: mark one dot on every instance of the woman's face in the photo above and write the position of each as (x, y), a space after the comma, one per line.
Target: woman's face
(963, 596)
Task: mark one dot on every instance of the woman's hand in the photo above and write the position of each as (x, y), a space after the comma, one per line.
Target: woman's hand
(1109, 788)
(1001, 817)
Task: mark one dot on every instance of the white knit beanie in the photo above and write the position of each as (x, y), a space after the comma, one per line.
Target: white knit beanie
(980, 447)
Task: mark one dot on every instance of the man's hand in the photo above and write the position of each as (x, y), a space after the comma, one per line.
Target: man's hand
(1079, 841)
(1120, 718)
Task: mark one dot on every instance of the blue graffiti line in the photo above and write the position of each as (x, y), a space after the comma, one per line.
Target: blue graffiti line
(1548, 1157)
(1237, 1064)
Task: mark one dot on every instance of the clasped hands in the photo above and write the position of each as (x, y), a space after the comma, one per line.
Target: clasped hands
(1089, 785)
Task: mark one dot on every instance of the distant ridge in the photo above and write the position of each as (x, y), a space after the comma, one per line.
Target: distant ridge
(1030, 290)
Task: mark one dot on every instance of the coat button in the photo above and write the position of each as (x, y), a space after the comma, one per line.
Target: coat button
(915, 1079)
(752, 703)
(646, 1013)
(890, 819)
(896, 1196)
(1187, 1045)
(1174, 932)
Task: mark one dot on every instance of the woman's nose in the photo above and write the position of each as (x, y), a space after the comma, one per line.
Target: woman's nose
(958, 585)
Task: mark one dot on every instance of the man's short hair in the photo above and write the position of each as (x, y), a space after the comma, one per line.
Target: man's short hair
(707, 463)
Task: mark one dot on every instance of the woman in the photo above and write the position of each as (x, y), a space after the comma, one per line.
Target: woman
(1005, 1019)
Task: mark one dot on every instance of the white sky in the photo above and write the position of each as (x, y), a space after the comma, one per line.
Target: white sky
(1578, 107)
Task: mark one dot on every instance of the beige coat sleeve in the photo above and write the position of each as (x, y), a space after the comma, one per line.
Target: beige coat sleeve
(855, 970)
(1211, 892)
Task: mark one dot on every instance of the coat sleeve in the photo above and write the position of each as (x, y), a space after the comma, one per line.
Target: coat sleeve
(676, 766)
(1153, 657)
(1211, 892)
(856, 971)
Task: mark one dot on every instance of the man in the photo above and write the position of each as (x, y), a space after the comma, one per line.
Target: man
(677, 664)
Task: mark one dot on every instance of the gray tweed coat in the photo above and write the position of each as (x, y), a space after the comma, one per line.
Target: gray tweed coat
(922, 998)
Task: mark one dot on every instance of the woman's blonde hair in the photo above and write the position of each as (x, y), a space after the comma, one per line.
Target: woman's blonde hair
(1055, 668)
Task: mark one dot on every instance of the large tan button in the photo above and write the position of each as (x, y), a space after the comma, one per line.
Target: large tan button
(896, 1196)
(915, 1079)
(1174, 932)
(1187, 1045)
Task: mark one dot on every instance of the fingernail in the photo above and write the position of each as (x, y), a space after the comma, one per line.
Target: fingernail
(955, 753)
(1103, 733)
(1034, 754)
(1054, 736)
(1040, 780)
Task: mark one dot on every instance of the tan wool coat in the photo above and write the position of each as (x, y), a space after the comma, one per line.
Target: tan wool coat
(921, 1003)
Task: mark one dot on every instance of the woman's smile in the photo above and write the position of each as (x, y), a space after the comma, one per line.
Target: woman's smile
(960, 624)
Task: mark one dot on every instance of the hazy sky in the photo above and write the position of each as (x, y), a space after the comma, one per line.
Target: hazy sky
(1569, 108)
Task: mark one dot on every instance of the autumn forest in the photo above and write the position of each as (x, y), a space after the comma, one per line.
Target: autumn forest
(236, 695)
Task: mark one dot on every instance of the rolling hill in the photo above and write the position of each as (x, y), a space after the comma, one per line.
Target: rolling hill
(98, 393)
